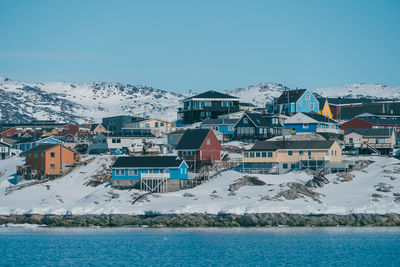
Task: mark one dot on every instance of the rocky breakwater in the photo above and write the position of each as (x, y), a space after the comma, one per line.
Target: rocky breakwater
(205, 220)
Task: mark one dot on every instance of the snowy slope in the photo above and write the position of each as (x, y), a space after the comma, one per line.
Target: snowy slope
(79, 102)
(69, 194)
(258, 94)
(361, 90)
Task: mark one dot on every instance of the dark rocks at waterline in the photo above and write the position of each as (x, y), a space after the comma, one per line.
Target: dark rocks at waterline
(204, 220)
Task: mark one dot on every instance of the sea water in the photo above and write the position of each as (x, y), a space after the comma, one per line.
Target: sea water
(335, 246)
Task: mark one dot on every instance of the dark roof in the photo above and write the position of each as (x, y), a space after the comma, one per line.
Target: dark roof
(243, 104)
(219, 121)
(378, 121)
(371, 131)
(259, 119)
(27, 140)
(42, 147)
(150, 161)
(319, 117)
(212, 94)
(93, 126)
(4, 144)
(294, 95)
(192, 139)
(321, 102)
(347, 101)
(306, 145)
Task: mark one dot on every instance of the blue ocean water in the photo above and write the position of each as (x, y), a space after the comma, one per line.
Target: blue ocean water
(335, 246)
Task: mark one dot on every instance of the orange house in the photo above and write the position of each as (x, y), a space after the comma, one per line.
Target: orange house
(50, 158)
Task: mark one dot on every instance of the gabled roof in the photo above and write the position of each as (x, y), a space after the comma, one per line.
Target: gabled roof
(290, 96)
(42, 147)
(148, 162)
(310, 117)
(4, 144)
(258, 119)
(319, 117)
(192, 139)
(372, 132)
(211, 95)
(219, 122)
(93, 126)
(306, 145)
(321, 102)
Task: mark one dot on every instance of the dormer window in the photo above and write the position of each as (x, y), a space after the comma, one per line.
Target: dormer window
(307, 97)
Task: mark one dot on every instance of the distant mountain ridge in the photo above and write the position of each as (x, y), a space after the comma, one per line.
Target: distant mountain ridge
(89, 102)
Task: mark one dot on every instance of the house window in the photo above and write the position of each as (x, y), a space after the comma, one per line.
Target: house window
(246, 154)
(208, 141)
(230, 128)
(264, 154)
(30, 155)
(36, 155)
(130, 172)
(245, 120)
(292, 166)
(285, 165)
(258, 154)
(52, 166)
(311, 105)
(309, 153)
(380, 140)
(290, 153)
(181, 171)
(307, 97)
(301, 152)
(251, 154)
(305, 125)
(269, 154)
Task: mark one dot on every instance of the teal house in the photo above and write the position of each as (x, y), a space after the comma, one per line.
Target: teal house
(150, 173)
(224, 126)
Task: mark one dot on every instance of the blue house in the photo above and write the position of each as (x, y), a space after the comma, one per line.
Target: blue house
(253, 126)
(224, 126)
(27, 143)
(151, 173)
(295, 101)
(311, 123)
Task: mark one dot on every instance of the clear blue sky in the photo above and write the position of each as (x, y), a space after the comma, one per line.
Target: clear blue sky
(202, 45)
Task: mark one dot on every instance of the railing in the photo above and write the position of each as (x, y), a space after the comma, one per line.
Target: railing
(155, 176)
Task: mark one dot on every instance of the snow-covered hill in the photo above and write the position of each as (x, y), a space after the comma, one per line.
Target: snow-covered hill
(361, 90)
(374, 189)
(85, 102)
(258, 94)
(79, 102)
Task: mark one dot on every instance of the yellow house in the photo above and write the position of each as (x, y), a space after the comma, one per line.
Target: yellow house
(378, 140)
(49, 131)
(282, 157)
(324, 108)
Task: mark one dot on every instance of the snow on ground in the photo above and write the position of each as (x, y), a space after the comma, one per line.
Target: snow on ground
(69, 194)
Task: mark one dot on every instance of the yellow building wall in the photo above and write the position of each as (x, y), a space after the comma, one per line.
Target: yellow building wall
(326, 110)
(333, 154)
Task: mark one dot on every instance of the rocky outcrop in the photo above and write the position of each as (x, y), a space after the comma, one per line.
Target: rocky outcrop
(244, 181)
(206, 220)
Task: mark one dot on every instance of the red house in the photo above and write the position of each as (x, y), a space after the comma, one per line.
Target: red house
(70, 129)
(8, 132)
(363, 123)
(199, 145)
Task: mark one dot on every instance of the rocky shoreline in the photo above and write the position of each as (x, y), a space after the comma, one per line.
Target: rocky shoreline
(205, 220)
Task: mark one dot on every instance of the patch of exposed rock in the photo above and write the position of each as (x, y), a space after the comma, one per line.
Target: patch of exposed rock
(383, 187)
(297, 190)
(244, 181)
